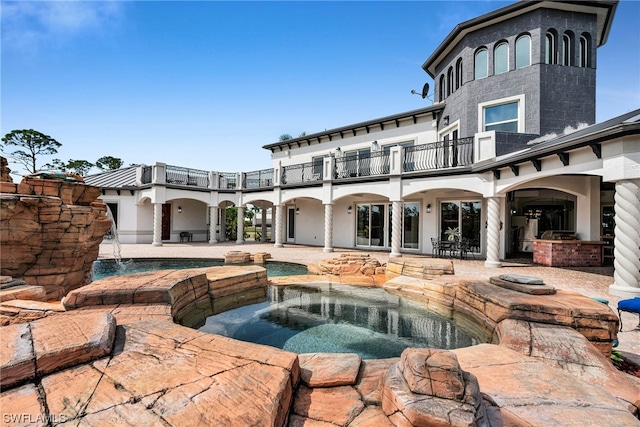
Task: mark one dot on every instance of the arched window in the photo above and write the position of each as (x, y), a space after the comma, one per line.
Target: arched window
(481, 64)
(523, 51)
(441, 88)
(459, 73)
(550, 48)
(583, 53)
(501, 58)
(449, 81)
(567, 48)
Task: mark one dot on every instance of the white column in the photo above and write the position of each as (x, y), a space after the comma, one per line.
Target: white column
(263, 225)
(328, 228)
(278, 232)
(626, 243)
(396, 228)
(493, 233)
(213, 222)
(157, 224)
(240, 229)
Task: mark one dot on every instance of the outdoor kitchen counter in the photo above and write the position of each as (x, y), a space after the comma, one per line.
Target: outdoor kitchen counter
(567, 253)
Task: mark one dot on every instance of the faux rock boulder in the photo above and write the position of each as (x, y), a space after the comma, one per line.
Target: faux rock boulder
(350, 264)
(428, 387)
(51, 232)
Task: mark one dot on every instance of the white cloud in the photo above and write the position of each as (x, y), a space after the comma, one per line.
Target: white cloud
(28, 25)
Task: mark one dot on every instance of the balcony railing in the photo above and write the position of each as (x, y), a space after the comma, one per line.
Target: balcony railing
(438, 155)
(257, 179)
(357, 165)
(425, 157)
(305, 172)
(227, 181)
(184, 176)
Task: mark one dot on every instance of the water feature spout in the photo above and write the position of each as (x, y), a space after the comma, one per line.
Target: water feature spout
(113, 236)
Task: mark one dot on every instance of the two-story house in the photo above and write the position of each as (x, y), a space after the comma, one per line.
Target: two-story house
(509, 150)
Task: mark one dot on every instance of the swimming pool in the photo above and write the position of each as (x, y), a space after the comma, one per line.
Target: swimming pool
(339, 319)
(109, 267)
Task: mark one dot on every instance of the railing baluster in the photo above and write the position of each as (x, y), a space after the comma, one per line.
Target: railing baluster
(438, 155)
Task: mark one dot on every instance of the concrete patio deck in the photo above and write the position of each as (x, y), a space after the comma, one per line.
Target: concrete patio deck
(591, 282)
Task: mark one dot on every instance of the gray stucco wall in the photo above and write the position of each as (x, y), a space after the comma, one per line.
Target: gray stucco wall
(556, 96)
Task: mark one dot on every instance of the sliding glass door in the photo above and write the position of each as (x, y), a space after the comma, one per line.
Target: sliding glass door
(373, 228)
(463, 219)
(370, 225)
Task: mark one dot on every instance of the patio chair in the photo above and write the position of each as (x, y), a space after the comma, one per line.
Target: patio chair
(465, 249)
(436, 248)
(631, 305)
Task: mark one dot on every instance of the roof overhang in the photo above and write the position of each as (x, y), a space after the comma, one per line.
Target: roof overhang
(563, 145)
(604, 9)
(353, 129)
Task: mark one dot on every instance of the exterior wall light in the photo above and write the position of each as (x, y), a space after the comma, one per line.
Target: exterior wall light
(349, 210)
(179, 209)
(429, 208)
(297, 211)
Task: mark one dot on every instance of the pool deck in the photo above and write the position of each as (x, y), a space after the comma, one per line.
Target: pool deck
(591, 281)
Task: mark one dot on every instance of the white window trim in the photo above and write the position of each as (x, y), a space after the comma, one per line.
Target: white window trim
(521, 110)
(449, 129)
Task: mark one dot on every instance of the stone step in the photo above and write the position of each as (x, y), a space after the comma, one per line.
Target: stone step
(27, 292)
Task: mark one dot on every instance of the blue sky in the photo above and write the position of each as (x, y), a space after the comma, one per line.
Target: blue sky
(206, 84)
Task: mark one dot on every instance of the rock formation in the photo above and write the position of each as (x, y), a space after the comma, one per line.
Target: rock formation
(50, 232)
(348, 264)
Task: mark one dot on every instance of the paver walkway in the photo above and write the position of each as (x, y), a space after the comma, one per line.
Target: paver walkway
(592, 282)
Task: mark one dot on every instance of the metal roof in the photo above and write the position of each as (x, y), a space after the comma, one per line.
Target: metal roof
(617, 127)
(114, 179)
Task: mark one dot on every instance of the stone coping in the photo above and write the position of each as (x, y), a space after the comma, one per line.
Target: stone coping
(53, 343)
(159, 370)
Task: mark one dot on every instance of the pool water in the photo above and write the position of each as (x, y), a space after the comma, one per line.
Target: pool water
(339, 319)
(107, 268)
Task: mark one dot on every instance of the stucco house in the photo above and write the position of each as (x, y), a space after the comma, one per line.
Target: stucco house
(508, 152)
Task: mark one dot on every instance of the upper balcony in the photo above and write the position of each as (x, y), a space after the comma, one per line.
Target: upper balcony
(417, 159)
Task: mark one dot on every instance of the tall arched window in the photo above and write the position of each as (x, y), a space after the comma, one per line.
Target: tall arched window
(501, 58)
(481, 64)
(441, 91)
(567, 48)
(583, 53)
(523, 51)
(459, 73)
(550, 48)
(449, 81)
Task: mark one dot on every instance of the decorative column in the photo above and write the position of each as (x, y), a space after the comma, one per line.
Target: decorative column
(493, 233)
(263, 225)
(328, 228)
(157, 224)
(278, 232)
(626, 243)
(396, 228)
(213, 223)
(240, 229)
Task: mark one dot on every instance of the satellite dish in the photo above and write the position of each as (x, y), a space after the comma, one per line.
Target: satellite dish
(425, 90)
